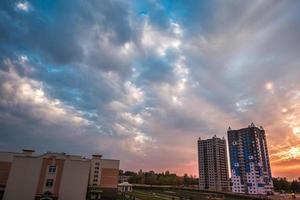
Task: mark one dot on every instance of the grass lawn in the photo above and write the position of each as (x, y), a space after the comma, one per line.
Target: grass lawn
(178, 195)
(165, 195)
(145, 195)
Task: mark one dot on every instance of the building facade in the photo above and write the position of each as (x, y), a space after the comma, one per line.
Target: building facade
(249, 161)
(104, 176)
(52, 176)
(212, 162)
(5, 166)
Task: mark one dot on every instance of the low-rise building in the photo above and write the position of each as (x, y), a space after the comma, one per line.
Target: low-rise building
(123, 178)
(55, 176)
(6, 159)
(125, 187)
(104, 176)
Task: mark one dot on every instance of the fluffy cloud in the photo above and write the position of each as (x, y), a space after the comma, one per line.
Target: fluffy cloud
(29, 95)
(23, 6)
(148, 78)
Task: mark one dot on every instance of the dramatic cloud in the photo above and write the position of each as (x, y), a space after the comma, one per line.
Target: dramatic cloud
(140, 81)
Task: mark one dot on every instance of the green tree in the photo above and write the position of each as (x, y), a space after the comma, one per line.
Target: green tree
(153, 178)
(281, 184)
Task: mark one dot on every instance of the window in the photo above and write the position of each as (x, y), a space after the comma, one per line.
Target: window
(52, 169)
(96, 172)
(49, 183)
(96, 167)
(97, 163)
(95, 176)
(95, 180)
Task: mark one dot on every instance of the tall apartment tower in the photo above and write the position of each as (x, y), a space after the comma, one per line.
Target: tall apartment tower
(212, 161)
(249, 161)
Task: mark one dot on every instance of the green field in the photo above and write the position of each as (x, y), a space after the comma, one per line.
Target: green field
(145, 195)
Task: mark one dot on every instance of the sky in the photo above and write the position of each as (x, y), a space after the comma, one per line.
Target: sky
(140, 81)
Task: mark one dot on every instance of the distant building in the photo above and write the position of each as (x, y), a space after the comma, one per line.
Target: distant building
(54, 176)
(123, 178)
(213, 167)
(125, 187)
(249, 161)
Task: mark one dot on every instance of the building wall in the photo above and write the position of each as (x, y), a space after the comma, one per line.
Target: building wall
(42, 176)
(104, 172)
(109, 178)
(4, 172)
(74, 180)
(45, 175)
(202, 166)
(112, 164)
(23, 178)
(6, 159)
(7, 156)
(109, 173)
(95, 171)
(222, 166)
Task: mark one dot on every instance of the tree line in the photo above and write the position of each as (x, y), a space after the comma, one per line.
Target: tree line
(163, 178)
(168, 178)
(283, 185)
